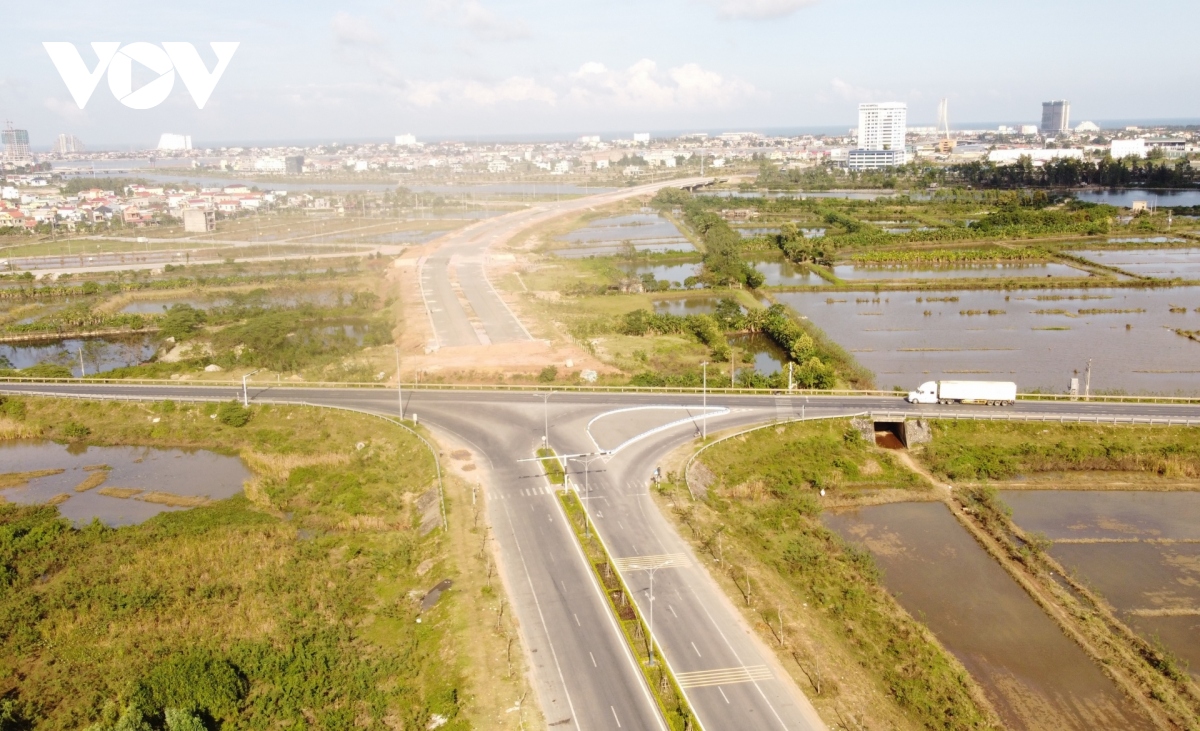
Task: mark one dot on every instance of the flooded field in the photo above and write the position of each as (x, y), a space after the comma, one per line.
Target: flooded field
(1139, 550)
(783, 273)
(117, 485)
(1164, 263)
(1032, 673)
(703, 305)
(676, 274)
(1052, 269)
(1040, 339)
(99, 354)
(607, 236)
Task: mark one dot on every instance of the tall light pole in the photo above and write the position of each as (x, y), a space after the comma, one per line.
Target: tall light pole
(545, 397)
(399, 393)
(245, 393)
(586, 462)
(704, 391)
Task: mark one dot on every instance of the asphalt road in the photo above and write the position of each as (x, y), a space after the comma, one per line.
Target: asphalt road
(462, 304)
(583, 672)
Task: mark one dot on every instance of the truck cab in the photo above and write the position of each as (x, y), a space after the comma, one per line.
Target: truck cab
(926, 393)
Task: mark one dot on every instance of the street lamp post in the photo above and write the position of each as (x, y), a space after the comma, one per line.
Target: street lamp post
(656, 568)
(704, 391)
(399, 393)
(587, 514)
(245, 393)
(545, 397)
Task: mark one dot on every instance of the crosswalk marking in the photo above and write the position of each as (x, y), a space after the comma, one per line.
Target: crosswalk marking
(723, 676)
(641, 563)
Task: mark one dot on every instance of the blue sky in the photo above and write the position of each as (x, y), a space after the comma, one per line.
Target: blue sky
(486, 68)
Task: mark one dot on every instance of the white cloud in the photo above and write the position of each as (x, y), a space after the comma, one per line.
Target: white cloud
(643, 85)
(759, 9)
(478, 20)
(349, 30)
(512, 89)
(852, 93)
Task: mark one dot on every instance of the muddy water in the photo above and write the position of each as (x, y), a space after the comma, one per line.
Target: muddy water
(1102, 538)
(781, 272)
(1039, 341)
(1164, 263)
(765, 355)
(1008, 271)
(175, 471)
(702, 305)
(1031, 672)
(99, 354)
(676, 274)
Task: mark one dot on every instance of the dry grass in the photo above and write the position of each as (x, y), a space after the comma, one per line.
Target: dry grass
(94, 467)
(20, 479)
(58, 499)
(175, 501)
(96, 479)
(122, 492)
(13, 429)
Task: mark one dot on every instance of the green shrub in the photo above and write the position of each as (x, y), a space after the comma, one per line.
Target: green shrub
(231, 413)
(47, 370)
(13, 408)
(548, 374)
(193, 681)
(75, 430)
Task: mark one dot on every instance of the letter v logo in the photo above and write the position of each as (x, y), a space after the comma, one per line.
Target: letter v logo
(192, 70)
(74, 72)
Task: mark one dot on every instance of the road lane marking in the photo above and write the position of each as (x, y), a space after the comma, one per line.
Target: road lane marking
(639, 563)
(723, 695)
(576, 616)
(672, 611)
(693, 644)
(615, 717)
(593, 659)
(723, 676)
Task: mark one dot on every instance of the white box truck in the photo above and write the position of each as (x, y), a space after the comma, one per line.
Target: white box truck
(990, 393)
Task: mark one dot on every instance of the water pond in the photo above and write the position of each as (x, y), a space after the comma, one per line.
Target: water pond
(1040, 339)
(606, 236)
(676, 274)
(1139, 550)
(139, 482)
(783, 273)
(1032, 673)
(1164, 263)
(99, 354)
(1051, 269)
(1124, 197)
(767, 357)
(703, 305)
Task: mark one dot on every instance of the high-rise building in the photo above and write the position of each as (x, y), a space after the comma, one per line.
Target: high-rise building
(1056, 117)
(67, 143)
(881, 126)
(16, 145)
(881, 130)
(293, 164)
(170, 141)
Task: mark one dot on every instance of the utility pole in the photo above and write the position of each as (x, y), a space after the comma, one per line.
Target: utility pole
(399, 393)
(704, 392)
(82, 370)
(791, 383)
(732, 366)
(545, 397)
(1087, 383)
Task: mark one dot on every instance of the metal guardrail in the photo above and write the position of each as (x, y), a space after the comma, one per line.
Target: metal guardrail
(534, 388)
(1095, 419)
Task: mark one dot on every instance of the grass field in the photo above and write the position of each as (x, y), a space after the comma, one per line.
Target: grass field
(295, 605)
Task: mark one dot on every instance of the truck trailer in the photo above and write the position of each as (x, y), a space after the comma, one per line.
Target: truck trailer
(989, 393)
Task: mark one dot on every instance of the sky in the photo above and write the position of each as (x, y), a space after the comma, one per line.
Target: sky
(491, 69)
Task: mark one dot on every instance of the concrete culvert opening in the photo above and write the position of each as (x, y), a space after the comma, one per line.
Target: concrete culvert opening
(890, 434)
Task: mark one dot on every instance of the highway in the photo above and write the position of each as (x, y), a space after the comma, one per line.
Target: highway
(582, 671)
(462, 305)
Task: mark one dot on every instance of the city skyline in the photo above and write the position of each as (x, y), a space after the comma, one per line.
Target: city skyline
(472, 68)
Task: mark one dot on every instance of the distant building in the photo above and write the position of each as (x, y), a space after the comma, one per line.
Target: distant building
(589, 140)
(1056, 117)
(881, 130)
(882, 126)
(641, 137)
(406, 140)
(174, 142)
(67, 143)
(1124, 148)
(269, 165)
(1029, 129)
(199, 221)
(294, 164)
(16, 146)
(1005, 157)
(1083, 127)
